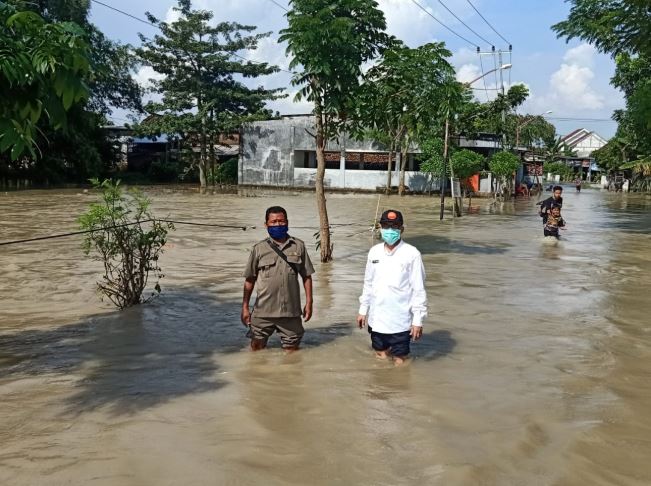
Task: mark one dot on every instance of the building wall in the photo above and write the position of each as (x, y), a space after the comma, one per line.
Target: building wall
(585, 147)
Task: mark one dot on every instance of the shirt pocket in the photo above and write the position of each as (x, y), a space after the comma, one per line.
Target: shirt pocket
(295, 260)
(266, 267)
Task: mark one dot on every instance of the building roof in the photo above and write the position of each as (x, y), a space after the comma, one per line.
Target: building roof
(575, 137)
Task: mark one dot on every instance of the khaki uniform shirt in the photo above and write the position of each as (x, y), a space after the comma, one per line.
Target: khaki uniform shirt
(278, 290)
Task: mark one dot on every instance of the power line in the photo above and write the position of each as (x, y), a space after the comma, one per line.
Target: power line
(442, 24)
(158, 27)
(279, 5)
(125, 13)
(466, 25)
(587, 120)
(483, 78)
(487, 22)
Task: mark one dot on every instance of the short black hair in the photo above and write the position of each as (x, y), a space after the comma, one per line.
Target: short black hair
(275, 210)
(558, 188)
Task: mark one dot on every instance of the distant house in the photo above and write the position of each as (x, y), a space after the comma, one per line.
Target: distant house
(583, 142)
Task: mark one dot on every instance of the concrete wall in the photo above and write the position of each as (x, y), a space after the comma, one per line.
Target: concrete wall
(369, 180)
(269, 148)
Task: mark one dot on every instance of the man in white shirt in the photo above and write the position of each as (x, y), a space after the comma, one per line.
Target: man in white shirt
(394, 301)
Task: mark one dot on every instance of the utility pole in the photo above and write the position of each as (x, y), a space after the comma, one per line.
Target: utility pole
(499, 53)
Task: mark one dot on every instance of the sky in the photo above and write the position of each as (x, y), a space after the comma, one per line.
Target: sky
(569, 79)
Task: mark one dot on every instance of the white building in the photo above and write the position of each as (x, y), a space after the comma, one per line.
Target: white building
(583, 142)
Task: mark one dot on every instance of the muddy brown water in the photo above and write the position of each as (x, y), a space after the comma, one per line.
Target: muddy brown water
(534, 369)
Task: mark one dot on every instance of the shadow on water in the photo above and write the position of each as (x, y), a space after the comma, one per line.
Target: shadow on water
(141, 357)
(435, 345)
(432, 244)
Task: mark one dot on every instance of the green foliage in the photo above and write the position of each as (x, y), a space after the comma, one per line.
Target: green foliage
(620, 28)
(503, 164)
(42, 70)
(466, 163)
(127, 239)
(164, 171)
(201, 89)
(559, 168)
(330, 71)
(432, 149)
(226, 173)
(613, 26)
(403, 94)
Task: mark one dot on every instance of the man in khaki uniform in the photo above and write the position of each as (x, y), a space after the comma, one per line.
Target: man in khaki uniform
(274, 266)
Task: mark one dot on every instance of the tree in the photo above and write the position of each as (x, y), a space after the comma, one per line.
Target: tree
(201, 94)
(613, 26)
(80, 149)
(329, 41)
(503, 165)
(403, 93)
(42, 66)
(620, 28)
(559, 168)
(127, 239)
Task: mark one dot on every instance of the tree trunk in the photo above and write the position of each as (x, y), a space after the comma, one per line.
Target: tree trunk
(202, 157)
(445, 160)
(324, 224)
(403, 166)
(389, 167)
(212, 148)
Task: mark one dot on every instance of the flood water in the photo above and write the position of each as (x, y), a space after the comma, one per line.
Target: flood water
(534, 369)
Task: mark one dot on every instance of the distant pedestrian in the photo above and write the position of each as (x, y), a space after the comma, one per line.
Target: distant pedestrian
(393, 302)
(555, 200)
(554, 222)
(274, 266)
(577, 184)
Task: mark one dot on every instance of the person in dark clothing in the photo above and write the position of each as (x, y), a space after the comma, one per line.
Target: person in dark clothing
(547, 204)
(554, 223)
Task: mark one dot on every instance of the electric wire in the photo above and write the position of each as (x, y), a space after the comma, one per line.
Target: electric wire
(466, 25)
(158, 27)
(483, 78)
(442, 24)
(192, 223)
(278, 5)
(488, 23)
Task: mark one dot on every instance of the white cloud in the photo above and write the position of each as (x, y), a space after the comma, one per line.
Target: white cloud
(145, 74)
(172, 15)
(468, 72)
(287, 106)
(582, 55)
(571, 85)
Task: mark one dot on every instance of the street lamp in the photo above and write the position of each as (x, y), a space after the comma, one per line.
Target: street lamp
(501, 68)
(521, 125)
(447, 134)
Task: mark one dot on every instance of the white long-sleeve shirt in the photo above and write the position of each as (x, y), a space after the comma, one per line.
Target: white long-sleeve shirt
(394, 296)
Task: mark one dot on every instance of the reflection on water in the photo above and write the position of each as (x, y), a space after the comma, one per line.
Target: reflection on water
(533, 369)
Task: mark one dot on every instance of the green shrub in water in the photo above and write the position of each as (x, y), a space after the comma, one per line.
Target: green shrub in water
(127, 239)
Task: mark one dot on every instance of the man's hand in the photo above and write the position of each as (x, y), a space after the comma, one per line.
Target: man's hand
(246, 315)
(416, 332)
(361, 321)
(307, 311)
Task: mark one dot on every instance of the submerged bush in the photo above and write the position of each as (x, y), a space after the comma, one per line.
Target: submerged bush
(127, 239)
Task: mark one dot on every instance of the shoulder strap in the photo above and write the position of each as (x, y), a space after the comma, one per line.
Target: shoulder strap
(275, 248)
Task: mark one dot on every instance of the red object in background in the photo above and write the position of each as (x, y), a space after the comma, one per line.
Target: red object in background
(473, 181)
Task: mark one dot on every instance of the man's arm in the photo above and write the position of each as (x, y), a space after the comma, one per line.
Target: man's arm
(365, 299)
(307, 310)
(418, 297)
(250, 275)
(249, 284)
